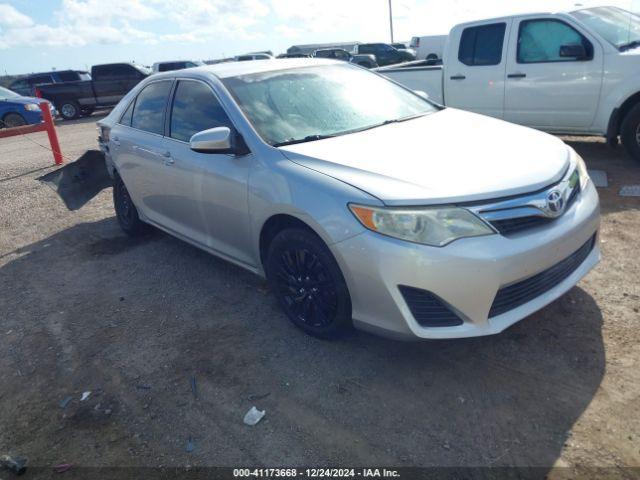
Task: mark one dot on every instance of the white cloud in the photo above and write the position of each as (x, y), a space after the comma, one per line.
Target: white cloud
(11, 18)
(224, 22)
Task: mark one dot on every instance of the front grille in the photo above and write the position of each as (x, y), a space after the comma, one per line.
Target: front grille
(428, 309)
(513, 225)
(519, 293)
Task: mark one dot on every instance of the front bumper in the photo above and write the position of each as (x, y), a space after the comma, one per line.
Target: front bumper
(465, 274)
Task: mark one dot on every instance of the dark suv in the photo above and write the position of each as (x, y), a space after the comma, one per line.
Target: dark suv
(26, 85)
(385, 54)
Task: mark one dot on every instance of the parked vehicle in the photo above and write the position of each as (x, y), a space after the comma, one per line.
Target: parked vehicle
(253, 56)
(109, 83)
(17, 110)
(384, 53)
(315, 174)
(404, 47)
(294, 55)
(308, 49)
(27, 85)
(367, 61)
(566, 73)
(175, 65)
(429, 47)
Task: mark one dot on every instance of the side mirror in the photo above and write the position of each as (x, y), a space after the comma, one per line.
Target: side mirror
(574, 50)
(214, 140)
(422, 94)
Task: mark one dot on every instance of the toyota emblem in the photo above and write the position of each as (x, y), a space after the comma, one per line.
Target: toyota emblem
(555, 202)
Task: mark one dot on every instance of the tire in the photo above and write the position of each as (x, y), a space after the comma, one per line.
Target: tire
(69, 109)
(308, 283)
(630, 132)
(126, 212)
(11, 120)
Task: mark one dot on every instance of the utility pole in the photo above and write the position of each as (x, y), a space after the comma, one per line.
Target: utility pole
(391, 21)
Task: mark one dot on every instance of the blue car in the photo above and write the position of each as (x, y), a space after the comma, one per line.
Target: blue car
(16, 110)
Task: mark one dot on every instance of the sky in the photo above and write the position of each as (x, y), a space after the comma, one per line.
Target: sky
(38, 35)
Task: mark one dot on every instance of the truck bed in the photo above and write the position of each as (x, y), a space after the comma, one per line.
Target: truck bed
(417, 76)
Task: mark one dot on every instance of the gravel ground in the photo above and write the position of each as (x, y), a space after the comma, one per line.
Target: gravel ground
(84, 308)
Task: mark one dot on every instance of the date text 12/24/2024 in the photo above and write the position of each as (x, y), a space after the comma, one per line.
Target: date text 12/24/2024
(315, 473)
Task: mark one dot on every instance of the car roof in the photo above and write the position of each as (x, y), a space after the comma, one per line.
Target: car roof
(234, 69)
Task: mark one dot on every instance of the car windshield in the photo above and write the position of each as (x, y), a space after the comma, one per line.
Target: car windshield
(310, 103)
(6, 93)
(617, 26)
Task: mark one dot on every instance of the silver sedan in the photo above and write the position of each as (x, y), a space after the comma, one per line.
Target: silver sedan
(362, 202)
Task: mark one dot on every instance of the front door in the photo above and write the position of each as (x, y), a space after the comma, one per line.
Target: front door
(545, 88)
(209, 191)
(474, 77)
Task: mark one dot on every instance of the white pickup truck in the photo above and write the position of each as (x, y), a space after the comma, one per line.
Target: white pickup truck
(574, 72)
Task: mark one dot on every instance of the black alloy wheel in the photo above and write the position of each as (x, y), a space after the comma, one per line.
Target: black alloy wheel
(308, 283)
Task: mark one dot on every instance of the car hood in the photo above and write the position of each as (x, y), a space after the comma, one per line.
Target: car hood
(445, 157)
(24, 100)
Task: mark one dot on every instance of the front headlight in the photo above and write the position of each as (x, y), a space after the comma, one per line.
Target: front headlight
(31, 107)
(435, 226)
(582, 171)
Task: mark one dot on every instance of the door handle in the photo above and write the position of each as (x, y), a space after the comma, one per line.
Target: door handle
(458, 77)
(517, 75)
(168, 159)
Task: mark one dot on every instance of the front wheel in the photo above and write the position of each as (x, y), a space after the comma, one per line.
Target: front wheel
(13, 120)
(126, 212)
(308, 283)
(630, 132)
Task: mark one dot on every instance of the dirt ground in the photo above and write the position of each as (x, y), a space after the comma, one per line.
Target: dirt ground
(84, 308)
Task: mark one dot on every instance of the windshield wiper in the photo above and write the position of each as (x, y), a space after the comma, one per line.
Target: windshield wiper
(308, 138)
(629, 46)
(313, 138)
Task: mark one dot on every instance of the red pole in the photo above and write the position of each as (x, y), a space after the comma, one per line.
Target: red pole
(51, 132)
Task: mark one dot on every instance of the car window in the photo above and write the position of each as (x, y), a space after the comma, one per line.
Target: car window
(40, 79)
(148, 112)
(482, 45)
(366, 49)
(68, 76)
(540, 41)
(114, 71)
(195, 108)
(19, 84)
(125, 119)
(341, 54)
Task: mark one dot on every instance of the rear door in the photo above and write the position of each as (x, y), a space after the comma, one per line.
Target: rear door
(545, 89)
(475, 73)
(208, 190)
(139, 152)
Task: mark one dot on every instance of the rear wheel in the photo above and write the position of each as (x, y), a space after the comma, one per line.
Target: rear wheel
(126, 212)
(69, 109)
(308, 283)
(11, 120)
(630, 132)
